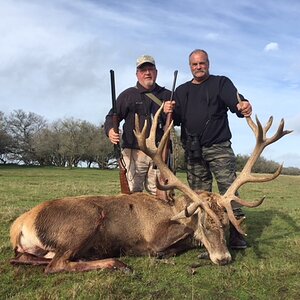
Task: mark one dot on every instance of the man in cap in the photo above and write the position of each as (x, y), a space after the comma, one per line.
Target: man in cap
(143, 99)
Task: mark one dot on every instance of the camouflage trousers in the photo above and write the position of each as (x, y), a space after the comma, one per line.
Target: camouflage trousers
(141, 172)
(218, 161)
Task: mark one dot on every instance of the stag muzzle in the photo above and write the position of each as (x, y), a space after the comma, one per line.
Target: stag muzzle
(220, 259)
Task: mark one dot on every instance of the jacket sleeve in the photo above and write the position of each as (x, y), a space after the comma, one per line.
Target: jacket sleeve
(228, 94)
(165, 97)
(121, 111)
(180, 97)
(108, 122)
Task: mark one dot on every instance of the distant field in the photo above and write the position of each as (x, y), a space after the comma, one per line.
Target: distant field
(269, 269)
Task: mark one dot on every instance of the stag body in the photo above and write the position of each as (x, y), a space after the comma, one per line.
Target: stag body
(69, 229)
(61, 232)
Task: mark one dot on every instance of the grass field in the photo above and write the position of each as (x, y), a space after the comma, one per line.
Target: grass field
(269, 269)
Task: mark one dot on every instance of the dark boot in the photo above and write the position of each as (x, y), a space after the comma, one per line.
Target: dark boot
(236, 240)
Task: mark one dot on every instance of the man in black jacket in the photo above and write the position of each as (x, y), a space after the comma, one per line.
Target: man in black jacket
(144, 99)
(201, 107)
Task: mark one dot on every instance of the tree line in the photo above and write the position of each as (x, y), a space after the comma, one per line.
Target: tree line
(29, 139)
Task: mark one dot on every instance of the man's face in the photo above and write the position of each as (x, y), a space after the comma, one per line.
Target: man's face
(199, 66)
(146, 75)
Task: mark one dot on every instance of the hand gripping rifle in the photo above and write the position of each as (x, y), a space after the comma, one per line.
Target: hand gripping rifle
(169, 119)
(166, 151)
(117, 148)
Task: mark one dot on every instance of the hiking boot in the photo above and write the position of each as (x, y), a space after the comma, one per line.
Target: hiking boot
(236, 239)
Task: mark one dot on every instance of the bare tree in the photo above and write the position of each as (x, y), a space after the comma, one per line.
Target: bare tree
(68, 142)
(97, 147)
(46, 145)
(6, 141)
(22, 127)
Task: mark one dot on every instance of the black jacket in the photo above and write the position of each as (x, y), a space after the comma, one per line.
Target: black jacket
(201, 109)
(131, 101)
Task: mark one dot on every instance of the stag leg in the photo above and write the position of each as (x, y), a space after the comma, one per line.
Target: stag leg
(62, 263)
(29, 259)
(176, 249)
(170, 239)
(81, 266)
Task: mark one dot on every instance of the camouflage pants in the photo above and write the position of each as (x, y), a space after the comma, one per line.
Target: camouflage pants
(217, 161)
(141, 173)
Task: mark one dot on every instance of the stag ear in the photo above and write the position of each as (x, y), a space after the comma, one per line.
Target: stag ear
(187, 212)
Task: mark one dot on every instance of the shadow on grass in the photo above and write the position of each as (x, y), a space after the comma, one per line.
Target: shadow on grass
(259, 221)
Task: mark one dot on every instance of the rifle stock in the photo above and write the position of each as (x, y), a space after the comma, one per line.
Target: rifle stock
(117, 149)
(123, 179)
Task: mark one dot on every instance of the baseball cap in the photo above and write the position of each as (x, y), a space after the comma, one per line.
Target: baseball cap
(145, 59)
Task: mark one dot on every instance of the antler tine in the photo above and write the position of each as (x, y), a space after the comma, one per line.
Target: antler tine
(249, 120)
(236, 222)
(152, 135)
(140, 135)
(166, 134)
(260, 133)
(188, 212)
(269, 124)
(148, 145)
(279, 133)
(252, 125)
(145, 144)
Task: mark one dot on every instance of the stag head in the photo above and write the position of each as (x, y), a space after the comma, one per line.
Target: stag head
(211, 208)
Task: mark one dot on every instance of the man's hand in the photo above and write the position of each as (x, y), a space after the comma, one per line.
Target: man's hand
(113, 136)
(245, 108)
(169, 106)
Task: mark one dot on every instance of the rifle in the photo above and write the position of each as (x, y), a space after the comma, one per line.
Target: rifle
(165, 154)
(117, 148)
(169, 118)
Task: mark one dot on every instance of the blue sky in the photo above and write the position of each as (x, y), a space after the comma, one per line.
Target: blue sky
(55, 56)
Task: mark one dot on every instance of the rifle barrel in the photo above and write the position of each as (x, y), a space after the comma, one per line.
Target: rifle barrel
(174, 84)
(113, 91)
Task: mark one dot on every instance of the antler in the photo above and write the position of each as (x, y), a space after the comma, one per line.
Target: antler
(148, 146)
(245, 176)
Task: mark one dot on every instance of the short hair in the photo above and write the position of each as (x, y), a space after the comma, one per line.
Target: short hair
(196, 51)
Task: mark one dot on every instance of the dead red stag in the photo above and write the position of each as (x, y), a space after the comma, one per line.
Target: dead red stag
(88, 232)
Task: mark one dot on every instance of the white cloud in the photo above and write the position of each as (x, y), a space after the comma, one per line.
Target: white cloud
(212, 36)
(55, 55)
(271, 47)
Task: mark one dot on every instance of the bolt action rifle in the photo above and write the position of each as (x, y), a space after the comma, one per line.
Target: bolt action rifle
(169, 119)
(117, 148)
(166, 155)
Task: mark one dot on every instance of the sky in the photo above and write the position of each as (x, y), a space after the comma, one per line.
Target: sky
(55, 57)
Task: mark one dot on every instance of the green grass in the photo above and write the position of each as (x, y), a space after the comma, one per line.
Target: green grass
(269, 269)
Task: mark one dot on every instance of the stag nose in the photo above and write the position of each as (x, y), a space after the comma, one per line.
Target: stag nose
(223, 261)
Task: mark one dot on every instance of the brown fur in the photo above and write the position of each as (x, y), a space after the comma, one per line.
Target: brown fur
(102, 227)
